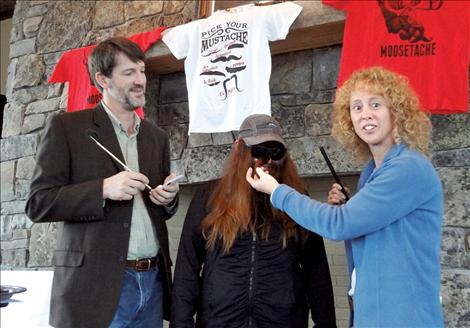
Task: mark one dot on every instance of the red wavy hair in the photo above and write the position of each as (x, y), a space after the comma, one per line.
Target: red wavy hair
(234, 205)
(411, 126)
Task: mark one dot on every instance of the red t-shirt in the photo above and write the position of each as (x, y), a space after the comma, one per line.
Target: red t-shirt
(427, 41)
(72, 67)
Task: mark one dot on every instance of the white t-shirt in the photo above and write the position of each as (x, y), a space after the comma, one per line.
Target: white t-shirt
(228, 63)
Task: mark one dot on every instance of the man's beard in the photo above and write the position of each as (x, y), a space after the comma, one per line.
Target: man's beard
(125, 99)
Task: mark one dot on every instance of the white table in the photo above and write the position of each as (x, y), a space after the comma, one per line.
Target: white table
(30, 308)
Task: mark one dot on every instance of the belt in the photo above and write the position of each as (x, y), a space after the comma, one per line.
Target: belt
(142, 265)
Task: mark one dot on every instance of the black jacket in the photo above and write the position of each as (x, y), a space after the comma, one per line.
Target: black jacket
(92, 239)
(256, 284)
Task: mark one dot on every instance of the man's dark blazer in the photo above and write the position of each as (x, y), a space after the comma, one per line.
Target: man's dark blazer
(93, 239)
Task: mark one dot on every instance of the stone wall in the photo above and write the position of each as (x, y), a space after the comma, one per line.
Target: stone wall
(302, 86)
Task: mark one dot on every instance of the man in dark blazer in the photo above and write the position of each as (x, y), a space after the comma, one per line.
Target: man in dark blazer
(112, 264)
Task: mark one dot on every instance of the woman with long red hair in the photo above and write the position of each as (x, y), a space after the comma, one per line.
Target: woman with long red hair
(242, 263)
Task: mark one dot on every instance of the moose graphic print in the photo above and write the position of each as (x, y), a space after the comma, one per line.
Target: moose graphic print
(426, 40)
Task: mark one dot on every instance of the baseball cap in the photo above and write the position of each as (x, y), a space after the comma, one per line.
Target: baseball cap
(259, 128)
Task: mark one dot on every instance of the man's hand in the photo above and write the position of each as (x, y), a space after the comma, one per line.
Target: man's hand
(164, 194)
(263, 182)
(124, 185)
(336, 196)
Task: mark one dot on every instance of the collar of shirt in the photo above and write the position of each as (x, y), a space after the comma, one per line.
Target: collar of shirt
(117, 124)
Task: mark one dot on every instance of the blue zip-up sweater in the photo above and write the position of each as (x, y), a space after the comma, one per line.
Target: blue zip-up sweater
(394, 224)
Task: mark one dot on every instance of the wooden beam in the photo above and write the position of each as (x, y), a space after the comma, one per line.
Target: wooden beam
(164, 64)
(298, 39)
(310, 38)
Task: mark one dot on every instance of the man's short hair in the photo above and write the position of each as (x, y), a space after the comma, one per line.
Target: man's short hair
(103, 58)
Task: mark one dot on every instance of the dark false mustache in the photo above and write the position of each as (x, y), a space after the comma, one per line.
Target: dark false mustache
(235, 45)
(235, 69)
(213, 73)
(225, 84)
(225, 59)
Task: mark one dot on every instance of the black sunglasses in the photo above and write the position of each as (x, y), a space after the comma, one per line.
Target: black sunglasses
(271, 149)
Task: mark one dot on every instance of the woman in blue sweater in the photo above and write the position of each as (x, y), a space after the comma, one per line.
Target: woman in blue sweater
(394, 220)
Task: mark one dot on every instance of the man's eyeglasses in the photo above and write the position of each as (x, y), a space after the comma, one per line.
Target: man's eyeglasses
(271, 149)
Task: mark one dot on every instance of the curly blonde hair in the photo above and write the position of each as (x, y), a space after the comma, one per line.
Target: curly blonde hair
(411, 126)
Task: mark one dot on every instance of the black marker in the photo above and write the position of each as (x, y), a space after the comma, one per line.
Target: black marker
(333, 172)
